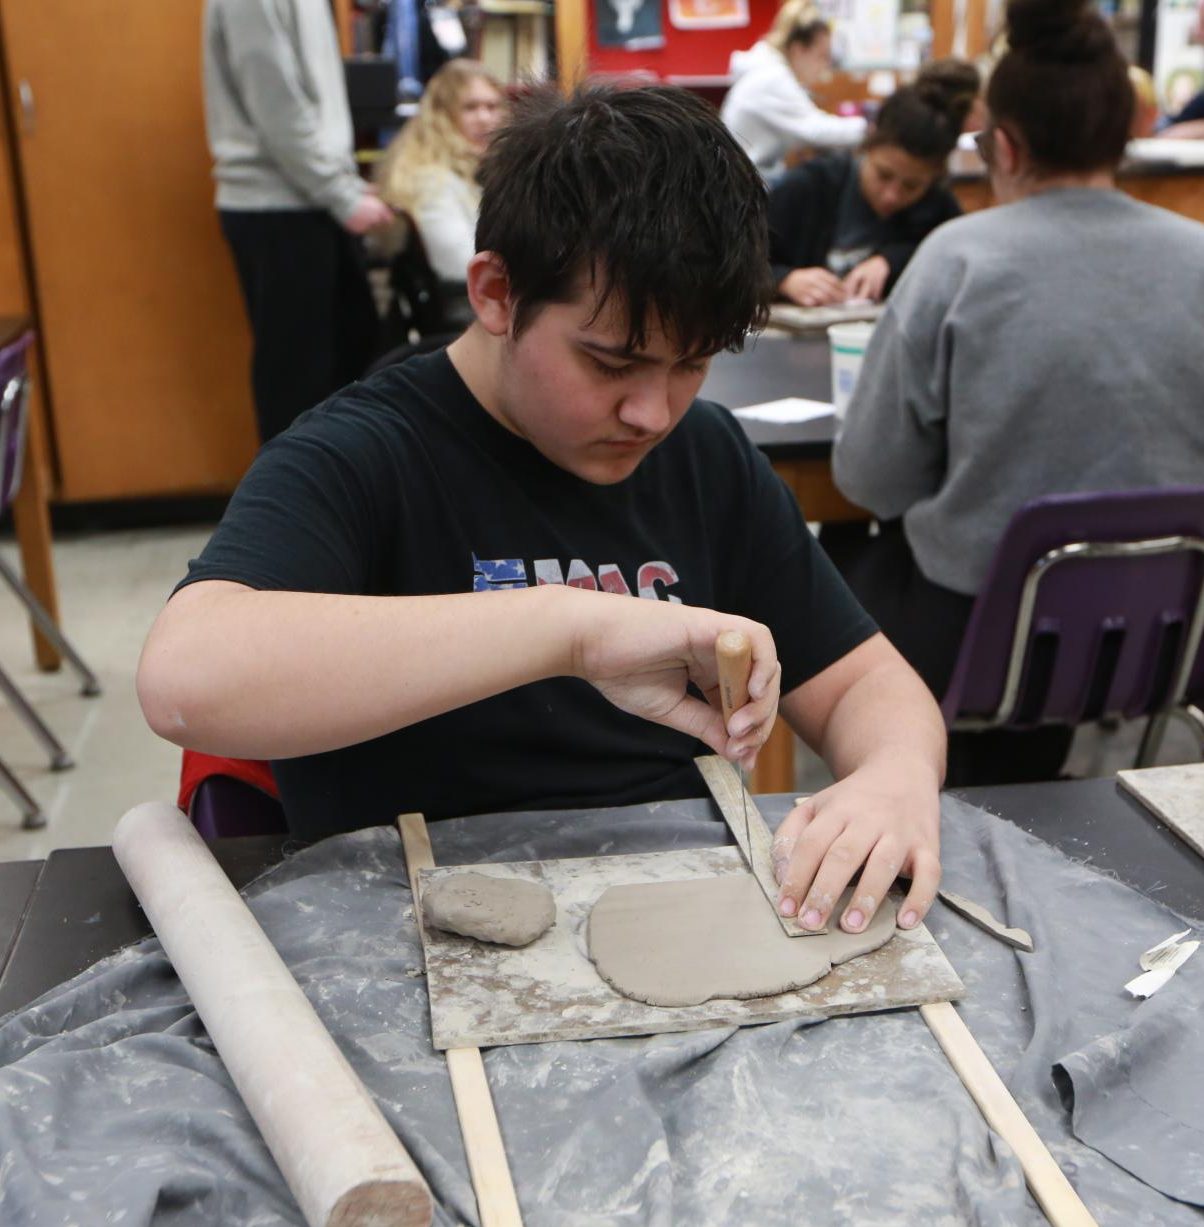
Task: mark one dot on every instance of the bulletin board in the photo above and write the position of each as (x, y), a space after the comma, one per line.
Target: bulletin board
(690, 52)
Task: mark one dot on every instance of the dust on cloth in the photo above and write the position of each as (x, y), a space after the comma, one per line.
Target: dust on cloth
(115, 1108)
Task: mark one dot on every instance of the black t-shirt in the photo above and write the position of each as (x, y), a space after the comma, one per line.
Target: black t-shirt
(404, 485)
(858, 230)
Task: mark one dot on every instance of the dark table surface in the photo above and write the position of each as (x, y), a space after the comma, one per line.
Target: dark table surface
(774, 366)
(966, 166)
(59, 916)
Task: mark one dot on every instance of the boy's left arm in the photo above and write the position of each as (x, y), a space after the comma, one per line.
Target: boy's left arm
(880, 731)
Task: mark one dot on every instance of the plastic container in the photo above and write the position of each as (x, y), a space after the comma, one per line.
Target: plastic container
(848, 343)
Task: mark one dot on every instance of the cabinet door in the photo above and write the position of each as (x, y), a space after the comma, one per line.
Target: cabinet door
(145, 341)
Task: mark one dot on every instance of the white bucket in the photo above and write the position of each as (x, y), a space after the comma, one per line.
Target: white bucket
(848, 343)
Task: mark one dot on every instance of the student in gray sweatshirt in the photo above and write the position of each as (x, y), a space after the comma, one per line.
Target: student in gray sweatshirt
(1052, 344)
(291, 202)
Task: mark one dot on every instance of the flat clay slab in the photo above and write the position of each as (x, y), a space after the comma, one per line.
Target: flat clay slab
(683, 943)
(482, 995)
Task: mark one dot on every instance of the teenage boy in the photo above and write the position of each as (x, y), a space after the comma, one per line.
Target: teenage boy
(424, 595)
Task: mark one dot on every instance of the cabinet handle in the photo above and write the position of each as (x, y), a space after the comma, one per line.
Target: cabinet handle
(28, 110)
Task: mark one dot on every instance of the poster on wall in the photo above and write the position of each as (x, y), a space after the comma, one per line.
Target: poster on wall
(634, 25)
(708, 14)
(864, 32)
(1178, 56)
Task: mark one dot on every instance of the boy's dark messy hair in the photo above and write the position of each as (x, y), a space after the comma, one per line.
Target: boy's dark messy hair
(644, 190)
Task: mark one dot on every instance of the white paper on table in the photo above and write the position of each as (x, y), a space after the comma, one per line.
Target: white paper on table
(783, 412)
(1166, 149)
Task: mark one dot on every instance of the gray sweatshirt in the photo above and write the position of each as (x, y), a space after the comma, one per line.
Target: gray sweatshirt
(276, 107)
(1047, 346)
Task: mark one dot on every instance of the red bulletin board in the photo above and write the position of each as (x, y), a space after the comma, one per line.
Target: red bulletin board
(694, 53)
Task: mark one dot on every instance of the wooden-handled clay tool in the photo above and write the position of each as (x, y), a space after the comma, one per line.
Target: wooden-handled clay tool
(733, 655)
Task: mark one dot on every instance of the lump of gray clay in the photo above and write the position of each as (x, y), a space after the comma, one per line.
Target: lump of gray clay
(509, 911)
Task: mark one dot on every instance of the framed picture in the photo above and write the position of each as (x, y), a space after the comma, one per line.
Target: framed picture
(631, 24)
(708, 14)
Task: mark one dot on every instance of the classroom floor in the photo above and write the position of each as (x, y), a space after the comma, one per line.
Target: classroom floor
(111, 586)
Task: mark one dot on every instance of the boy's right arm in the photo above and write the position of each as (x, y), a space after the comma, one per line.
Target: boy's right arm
(237, 671)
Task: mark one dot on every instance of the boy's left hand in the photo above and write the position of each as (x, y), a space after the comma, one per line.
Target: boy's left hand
(884, 816)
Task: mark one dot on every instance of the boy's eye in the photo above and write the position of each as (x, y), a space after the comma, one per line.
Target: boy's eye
(610, 372)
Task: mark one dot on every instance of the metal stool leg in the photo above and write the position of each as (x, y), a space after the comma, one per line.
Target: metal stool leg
(1193, 717)
(32, 817)
(59, 758)
(45, 623)
(1151, 741)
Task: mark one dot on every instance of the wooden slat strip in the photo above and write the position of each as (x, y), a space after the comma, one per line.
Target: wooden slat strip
(731, 796)
(497, 1202)
(1046, 1180)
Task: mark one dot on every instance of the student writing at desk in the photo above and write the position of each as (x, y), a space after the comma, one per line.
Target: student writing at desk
(424, 596)
(1040, 347)
(845, 227)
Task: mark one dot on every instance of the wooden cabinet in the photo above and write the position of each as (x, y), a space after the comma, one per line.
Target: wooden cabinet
(144, 342)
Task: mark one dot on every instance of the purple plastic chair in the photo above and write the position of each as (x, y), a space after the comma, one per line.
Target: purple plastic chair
(14, 421)
(1093, 607)
(224, 807)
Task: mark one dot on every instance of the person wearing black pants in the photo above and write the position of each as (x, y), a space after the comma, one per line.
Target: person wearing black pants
(290, 200)
(305, 287)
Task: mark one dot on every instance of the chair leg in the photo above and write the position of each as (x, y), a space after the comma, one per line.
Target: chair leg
(45, 623)
(1155, 730)
(32, 817)
(59, 758)
(1193, 717)
(1151, 741)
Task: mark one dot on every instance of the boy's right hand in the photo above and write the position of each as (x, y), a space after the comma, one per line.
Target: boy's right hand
(643, 655)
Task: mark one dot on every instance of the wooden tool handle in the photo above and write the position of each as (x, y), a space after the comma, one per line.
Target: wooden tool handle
(733, 654)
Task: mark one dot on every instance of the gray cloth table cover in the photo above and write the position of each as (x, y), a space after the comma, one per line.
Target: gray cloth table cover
(115, 1109)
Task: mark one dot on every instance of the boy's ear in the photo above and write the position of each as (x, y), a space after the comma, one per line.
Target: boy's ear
(489, 292)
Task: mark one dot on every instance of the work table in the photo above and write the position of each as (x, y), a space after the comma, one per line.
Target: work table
(61, 915)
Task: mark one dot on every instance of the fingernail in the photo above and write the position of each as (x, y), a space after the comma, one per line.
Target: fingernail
(909, 919)
(788, 906)
(854, 920)
(812, 919)
(738, 728)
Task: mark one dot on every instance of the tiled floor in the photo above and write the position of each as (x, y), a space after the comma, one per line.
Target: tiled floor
(111, 586)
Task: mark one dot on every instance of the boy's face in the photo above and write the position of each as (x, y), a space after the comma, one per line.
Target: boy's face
(574, 391)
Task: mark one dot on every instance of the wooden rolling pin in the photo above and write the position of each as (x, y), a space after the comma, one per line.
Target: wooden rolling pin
(340, 1158)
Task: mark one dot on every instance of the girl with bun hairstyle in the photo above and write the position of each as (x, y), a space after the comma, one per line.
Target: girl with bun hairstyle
(845, 226)
(1049, 345)
(769, 109)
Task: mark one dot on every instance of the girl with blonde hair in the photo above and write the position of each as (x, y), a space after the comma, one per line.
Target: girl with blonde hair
(769, 109)
(429, 170)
